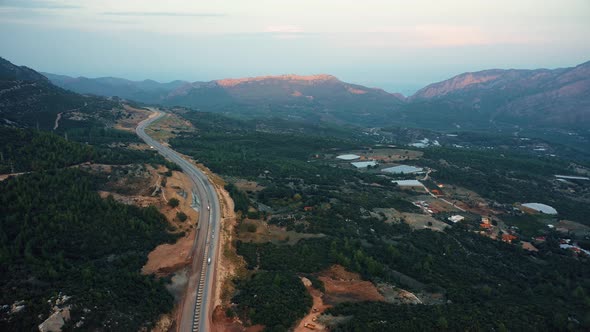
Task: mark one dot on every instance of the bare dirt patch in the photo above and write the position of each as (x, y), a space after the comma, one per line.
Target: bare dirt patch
(343, 286)
(386, 155)
(574, 227)
(468, 200)
(168, 126)
(317, 309)
(423, 221)
(133, 116)
(168, 258)
(248, 186)
(222, 323)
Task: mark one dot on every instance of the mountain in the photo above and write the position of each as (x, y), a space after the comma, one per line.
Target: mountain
(558, 98)
(147, 91)
(29, 99)
(490, 99)
(10, 72)
(315, 97)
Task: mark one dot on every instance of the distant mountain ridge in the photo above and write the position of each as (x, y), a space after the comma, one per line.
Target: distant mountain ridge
(148, 91)
(541, 97)
(492, 98)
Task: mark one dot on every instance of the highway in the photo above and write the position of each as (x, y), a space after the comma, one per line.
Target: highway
(195, 309)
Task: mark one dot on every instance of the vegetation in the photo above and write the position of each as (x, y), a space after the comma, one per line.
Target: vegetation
(477, 276)
(23, 150)
(173, 202)
(181, 216)
(274, 299)
(58, 236)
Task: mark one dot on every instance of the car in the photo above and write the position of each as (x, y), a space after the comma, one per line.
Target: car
(151, 146)
(208, 208)
(208, 260)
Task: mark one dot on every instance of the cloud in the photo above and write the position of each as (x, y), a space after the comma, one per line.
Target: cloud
(37, 4)
(164, 14)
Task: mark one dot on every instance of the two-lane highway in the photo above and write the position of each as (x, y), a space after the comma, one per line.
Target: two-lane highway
(195, 313)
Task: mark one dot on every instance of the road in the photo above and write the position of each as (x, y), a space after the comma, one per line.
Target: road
(196, 306)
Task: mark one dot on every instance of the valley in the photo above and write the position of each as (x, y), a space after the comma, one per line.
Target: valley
(269, 204)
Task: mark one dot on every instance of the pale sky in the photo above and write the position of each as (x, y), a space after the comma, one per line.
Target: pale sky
(396, 45)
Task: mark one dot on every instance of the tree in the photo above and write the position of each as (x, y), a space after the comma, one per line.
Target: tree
(173, 202)
(181, 216)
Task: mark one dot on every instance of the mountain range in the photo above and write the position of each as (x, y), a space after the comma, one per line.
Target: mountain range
(489, 99)
(552, 98)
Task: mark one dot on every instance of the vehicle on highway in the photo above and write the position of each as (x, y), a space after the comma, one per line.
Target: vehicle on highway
(208, 208)
(209, 260)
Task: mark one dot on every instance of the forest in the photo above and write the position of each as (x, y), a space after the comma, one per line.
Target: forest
(274, 299)
(23, 150)
(57, 236)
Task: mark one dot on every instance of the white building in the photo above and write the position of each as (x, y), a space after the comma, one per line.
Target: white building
(543, 208)
(364, 164)
(408, 183)
(456, 218)
(348, 157)
(403, 169)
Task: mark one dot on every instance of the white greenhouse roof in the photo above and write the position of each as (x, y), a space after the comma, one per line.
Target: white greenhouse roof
(540, 207)
(348, 157)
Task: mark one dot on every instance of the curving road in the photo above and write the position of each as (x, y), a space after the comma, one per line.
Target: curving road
(195, 310)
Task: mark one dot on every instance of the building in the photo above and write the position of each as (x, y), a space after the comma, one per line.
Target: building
(348, 157)
(364, 164)
(408, 183)
(456, 218)
(403, 169)
(539, 207)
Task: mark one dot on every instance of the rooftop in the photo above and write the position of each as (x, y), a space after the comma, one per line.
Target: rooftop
(540, 207)
(364, 164)
(405, 169)
(348, 157)
(408, 183)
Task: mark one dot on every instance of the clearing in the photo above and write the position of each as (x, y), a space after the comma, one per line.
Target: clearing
(344, 286)
(258, 231)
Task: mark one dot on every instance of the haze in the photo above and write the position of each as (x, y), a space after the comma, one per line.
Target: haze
(397, 45)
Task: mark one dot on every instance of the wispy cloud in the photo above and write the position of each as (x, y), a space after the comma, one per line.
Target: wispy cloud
(37, 4)
(164, 14)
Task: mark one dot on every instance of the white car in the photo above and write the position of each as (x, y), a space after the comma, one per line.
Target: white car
(208, 260)
(208, 208)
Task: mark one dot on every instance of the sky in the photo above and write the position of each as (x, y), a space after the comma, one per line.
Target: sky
(400, 46)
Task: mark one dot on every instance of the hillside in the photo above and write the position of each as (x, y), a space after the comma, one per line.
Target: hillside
(312, 98)
(29, 99)
(558, 98)
(147, 91)
(494, 99)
